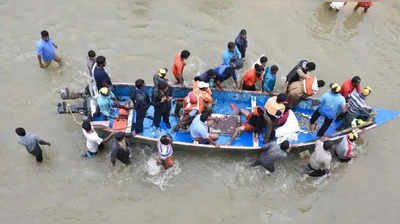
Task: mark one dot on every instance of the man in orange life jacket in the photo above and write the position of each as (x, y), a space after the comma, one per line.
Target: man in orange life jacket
(192, 105)
(255, 121)
(274, 109)
(345, 149)
(302, 89)
(202, 90)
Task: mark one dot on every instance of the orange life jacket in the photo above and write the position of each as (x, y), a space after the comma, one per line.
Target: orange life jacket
(187, 106)
(204, 95)
(308, 84)
(272, 107)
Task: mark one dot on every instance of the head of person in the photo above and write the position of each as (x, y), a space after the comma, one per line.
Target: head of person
(119, 136)
(162, 72)
(162, 86)
(285, 145)
(86, 125)
(355, 81)
(327, 145)
(310, 66)
(104, 91)
(320, 83)
(203, 86)
(243, 34)
(274, 69)
(185, 54)
(366, 91)
(259, 69)
(204, 117)
(211, 73)
(139, 83)
(352, 137)
(263, 60)
(231, 46)
(20, 131)
(259, 111)
(101, 61)
(335, 88)
(92, 54)
(45, 35)
(166, 140)
(282, 98)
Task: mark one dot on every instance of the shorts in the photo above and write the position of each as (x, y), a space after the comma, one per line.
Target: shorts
(90, 154)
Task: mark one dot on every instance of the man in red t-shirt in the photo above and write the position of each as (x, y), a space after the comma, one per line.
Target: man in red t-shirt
(251, 77)
(349, 85)
(179, 64)
(364, 5)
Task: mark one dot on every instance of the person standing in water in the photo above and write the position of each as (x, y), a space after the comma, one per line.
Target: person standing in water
(93, 141)
(178, 66)
(320, 160)
(241, 42)
(364, 5)
(32, 143)
(119, 150)
(45, 50)
(91, 60)
(165, 151)
(271, 153)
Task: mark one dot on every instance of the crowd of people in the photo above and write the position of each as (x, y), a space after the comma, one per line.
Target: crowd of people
(346, 101)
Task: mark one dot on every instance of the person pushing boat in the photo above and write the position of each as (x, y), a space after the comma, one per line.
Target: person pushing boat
(165, 151)
(320, 160)
(271, 153)
(119, 150)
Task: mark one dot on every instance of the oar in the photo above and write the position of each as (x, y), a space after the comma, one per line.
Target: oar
(350, 129)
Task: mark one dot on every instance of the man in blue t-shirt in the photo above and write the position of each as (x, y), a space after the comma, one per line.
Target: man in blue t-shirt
(269, 79)
(331, 105)
(100, 74)
(231, 52)
(224, 72)
(45, 50)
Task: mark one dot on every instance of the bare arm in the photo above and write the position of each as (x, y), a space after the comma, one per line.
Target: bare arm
(108, 137)
(43, 142)
(40, 61)
(301, 74)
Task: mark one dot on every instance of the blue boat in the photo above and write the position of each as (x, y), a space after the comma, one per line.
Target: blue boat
(247, 141)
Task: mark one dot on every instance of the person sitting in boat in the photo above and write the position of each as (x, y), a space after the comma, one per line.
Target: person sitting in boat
(109, 104)
(231, 52)
(250, 79)
(161, 99)
(119, 150)
(345, 150)
(93, 141)
(303, 89)
(357, 108)
(225, 72)
(192, 106)
(202, 90)
(141, 102)
(206, 76)
(320, 160)
(298, 72)
(254, 121)
(349, 86)
(269, 79)
(160, 76)
(165, 151)
(262, 61)
(272, 152)
(199, 130)
(331, 104)
(274, 109)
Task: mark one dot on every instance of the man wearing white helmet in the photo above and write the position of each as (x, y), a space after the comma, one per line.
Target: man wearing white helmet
(345, 150)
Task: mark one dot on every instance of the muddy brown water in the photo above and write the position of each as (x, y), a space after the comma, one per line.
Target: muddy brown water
(138, 37)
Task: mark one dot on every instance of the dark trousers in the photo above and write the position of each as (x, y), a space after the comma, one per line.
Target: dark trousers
(316, 173)
(38, 154)
(268, 166)
(140, 115)
(325, 125)
(161, 110)
(249, 88)
(271, 126)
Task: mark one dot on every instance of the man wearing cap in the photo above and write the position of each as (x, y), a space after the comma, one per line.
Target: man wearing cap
(108, 104)
(202, 90)
(45, 49)
(274, 109)
(331, 104)
(345, 150)
(161, 99)
(272, 152)
(358, 108)
(160, 76)
(119, 150)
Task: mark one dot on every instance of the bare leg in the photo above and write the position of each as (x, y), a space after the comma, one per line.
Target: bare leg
(365, 10)
(244, 112)
(214, 137)
(355, 8)
(58, 60)
(46, 64)
(235, 134)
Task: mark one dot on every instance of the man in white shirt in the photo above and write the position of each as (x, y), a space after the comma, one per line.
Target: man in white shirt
(93, 141)
(320, 160)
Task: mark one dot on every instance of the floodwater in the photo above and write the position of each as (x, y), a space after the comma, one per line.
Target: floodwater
(140, 36)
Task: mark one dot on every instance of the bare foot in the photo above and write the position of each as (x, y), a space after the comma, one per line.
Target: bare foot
(234, 108)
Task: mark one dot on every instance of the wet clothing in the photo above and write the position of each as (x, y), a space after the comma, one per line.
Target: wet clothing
(119, 153)
(205, 77)
(101, 77)
(141, 102)
(106, 104)
(227, 56)
(157, 79)
(164, 151)
(320, 159)
(46, 50)
(250, 79)
(269, 80)
(345, 149)
(92, 141)
(223, 74)
(347, 88)
(198, 129)
(177, 67)
(293, 76)
(32, 144)
(241, 44)
(271, 153)
(161, 109)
